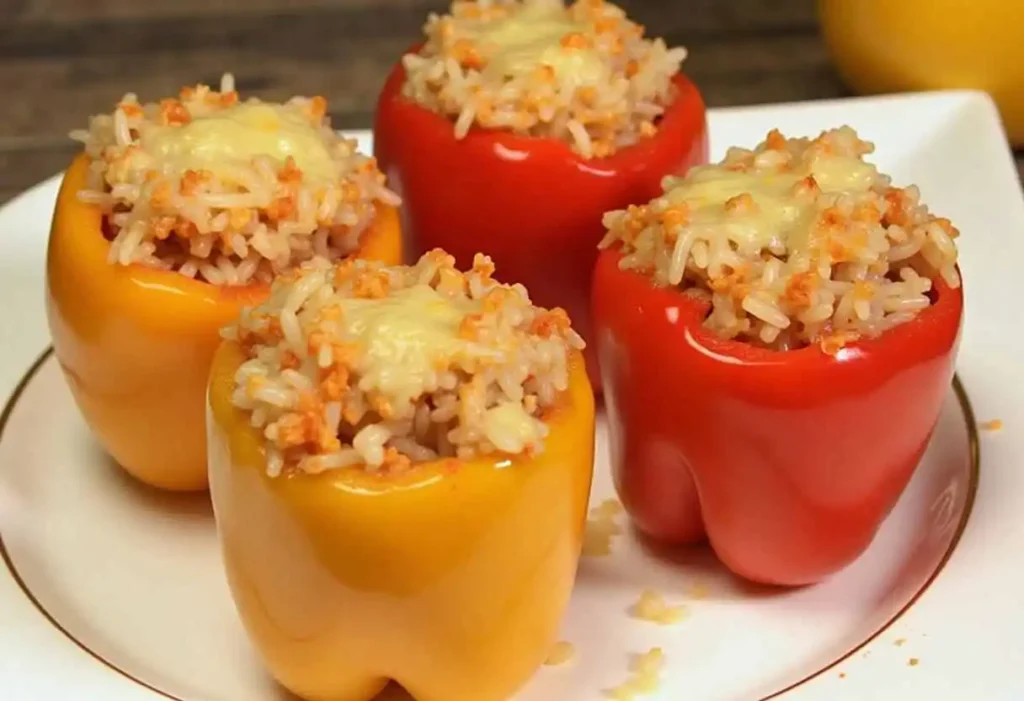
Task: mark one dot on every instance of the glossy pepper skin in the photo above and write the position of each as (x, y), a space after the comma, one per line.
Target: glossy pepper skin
(786, 461)
(135, 343)
(531, 204)
(450, 579)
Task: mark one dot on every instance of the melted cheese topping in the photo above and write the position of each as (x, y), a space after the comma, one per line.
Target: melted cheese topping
(780, 215)
(532, 37)
(404, 335)
(221, 141)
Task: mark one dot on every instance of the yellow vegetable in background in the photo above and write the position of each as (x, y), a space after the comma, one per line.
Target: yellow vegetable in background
(882, 46)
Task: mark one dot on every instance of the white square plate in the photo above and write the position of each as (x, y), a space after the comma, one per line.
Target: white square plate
(114, 593)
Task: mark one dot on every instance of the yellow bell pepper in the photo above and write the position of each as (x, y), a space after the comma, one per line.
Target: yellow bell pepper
(135, 343)
(450, 579)
(897, 45)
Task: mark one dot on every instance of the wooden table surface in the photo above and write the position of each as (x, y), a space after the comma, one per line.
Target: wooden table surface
(62, 60)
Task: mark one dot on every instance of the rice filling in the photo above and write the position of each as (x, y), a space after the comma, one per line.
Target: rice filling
(583, 74)
(797, 241)
(228, 191)
(367, 365)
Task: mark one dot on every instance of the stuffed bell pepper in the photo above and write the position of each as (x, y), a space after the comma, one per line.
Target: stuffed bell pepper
(777, 334)
(400, 463)
(175, 216)
(529, 120)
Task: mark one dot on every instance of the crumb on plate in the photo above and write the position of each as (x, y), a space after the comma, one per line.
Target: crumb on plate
(561, 653)
(699, 590)
(651, 606)
(645, 678)
(601, 527)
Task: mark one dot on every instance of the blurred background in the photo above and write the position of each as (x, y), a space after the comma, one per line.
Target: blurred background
(62, 60)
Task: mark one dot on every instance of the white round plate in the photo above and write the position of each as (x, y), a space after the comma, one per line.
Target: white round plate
(114, 591)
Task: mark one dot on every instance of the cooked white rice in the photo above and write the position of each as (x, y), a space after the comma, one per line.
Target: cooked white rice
(381, 367)
(226, 191)
(796, 242)
(583, 74)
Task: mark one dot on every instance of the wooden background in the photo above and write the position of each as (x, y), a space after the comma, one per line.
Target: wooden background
(62, 60)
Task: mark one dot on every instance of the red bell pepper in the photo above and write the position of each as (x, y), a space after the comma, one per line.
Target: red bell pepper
(787, 461)
(531, 204)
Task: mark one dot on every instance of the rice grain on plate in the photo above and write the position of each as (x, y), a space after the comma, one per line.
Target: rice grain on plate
(583, 74)
(652, 607)
(795, 242)
(645, 677)
(364, 364)
(228, 191)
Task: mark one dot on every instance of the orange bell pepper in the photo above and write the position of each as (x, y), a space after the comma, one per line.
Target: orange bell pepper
(450, 579)
(135, 343)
